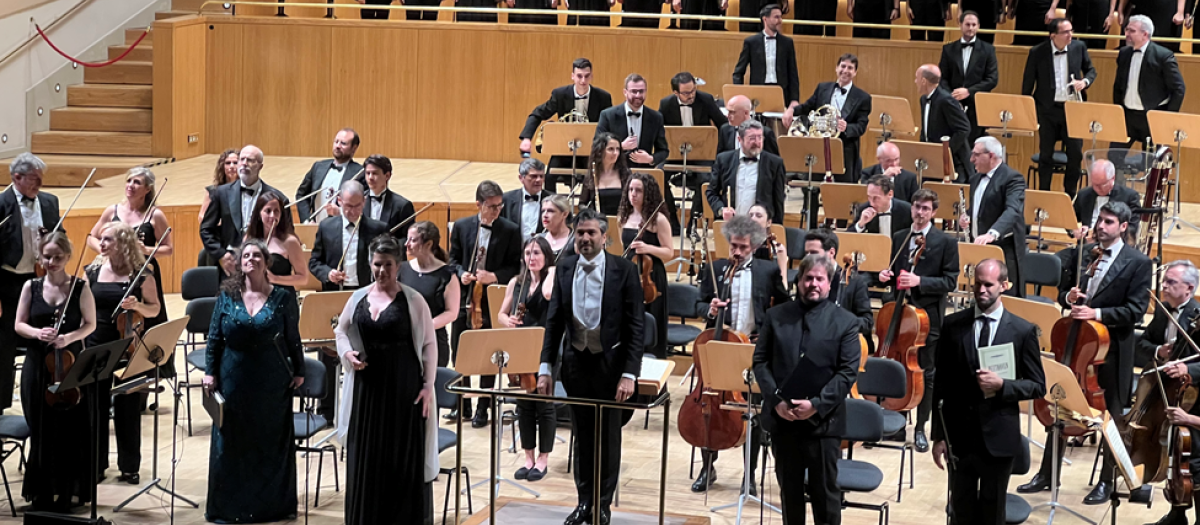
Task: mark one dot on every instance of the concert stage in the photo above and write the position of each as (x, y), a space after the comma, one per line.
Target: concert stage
(528, 512)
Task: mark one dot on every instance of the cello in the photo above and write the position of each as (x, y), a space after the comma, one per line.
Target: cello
(904, 332)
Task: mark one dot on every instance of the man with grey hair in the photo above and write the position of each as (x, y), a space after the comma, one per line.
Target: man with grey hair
(996, 214)
(904, 181)
(226, 219)
(29, 211)
(748, 176)
(1157, 343)
(1147, 79)
(740, 108)
(523, 206)
(1102, 187)
(353, 270)
(942, 116)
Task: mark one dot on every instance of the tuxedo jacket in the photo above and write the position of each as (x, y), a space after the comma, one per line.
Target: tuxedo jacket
(328, 249)
(221, 227)
(1159, 83)
(705, 111)
(653, 139)
(622, 323)
(1038, 79)
(973, 423)
(856, 111)
(854, 298)
(514, 201)
(772, 183)
(1156, 334)
(805, 339)
(503, 256)
(901, 215)
(947, 119)
(1085, 204)
(10, 232)
(938, 268)
(727, 139)
(981, 74)
(754, 55)
(1002, 208)
(395, 209)
(766, 288)
(561, 103)
(315, 176)
(1122, 297)
(906, 183)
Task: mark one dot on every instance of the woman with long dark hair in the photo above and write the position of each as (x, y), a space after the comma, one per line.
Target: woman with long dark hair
(225, 172)
(611, 173)
(430, 275)
(778, 252)
(639, 200)
(272, 222)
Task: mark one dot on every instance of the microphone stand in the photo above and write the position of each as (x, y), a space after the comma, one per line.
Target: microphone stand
(952, 462)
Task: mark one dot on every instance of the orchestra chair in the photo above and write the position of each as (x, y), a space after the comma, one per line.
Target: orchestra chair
(1058, 160)
(1016, 509)
(885, 379)
(1041, 269)
(683, 301)
(14, 432)
(198, 286)
(447, 439)
(795, 251)
(307, 422)
(864, 424)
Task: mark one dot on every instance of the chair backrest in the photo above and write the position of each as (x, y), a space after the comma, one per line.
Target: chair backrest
(682, 299)
(882, 377)
(445, 399)
(1044, 269)
(314, 380)
(650, 331)
(200, 311)
(1021, 461)
(795, 243)
(204, 281)
(864, 421)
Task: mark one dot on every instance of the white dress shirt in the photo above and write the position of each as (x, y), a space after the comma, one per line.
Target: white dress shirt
(31, 222)
(967, 49)
(530, 211)
(376, 202)
(741, 305)
(350, 239)
(635, 123)
(1101, 200)
(587, 290)
(248, 200)
(925, 114)
(685, 114)
(1062, 77)
(977, 198)
(747, 184)
(769, 51)
(1133, 98)
(838, 99)
(885, 220)
(329, 187)
(1102, 269)
(581, 101)
(993, 319)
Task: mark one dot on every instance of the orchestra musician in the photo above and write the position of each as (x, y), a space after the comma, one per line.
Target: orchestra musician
(328, 175)
(882, 213)
(1191, 418)
(1056, 71)
(756, 287)
(854, 109)
(31, 212)
(638, 128)
(589, 5)
(546, 19)
(335, 266)
(688, 106)
(928, 282)
(596, 318)
(383, 204)
(818, 10)
(640, 6)
(499, 260)
(848, 293)
(556, 209)
(1157, 342)
(767, 251)
(523, 206)
(740, 108)
(969, 66)
(771, 58)
(641, 198)
(610, 171)
(580, 96)
(978, 426)
(987, 11)
(748, 176)
(943, 116)
(1147, 79)
(226, 219)
(273, 225)
(1116, 296)
(872, 12)
(806, 432)
(904, 182)
(1165, 16)
(430, 274)
(1102, 188)
(996, 214)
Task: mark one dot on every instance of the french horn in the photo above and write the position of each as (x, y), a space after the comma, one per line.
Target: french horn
(574, 117)
(822, 123)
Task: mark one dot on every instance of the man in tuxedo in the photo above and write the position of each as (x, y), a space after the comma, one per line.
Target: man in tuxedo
(771, 58)
(335, 266)
(987, 11)
(501, 261)
(596, 317)
(996, 214)
(226, 219)
(942, 116)
(688, 106)
(1147, 79)
(881, 213)
(757, 286)
(806, 359)
(928, 281)
(969, 66)
(1055, 72)
(852, 296)
(1157, 344)
(580, 96)
(1117, 296)
(639, 128)
(1102, 188)
(383, 204)
(928, 13)
(739, 108)
(328, 175)
(854, 107)
(749, 176)
(978, 427)
(904, 182)
(523, 206)
(30, 212)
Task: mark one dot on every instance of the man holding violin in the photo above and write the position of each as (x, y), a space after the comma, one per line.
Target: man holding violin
(753, 289)
(927, 280)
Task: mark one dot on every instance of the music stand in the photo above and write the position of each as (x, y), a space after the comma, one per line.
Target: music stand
(1125, 466)
(307, 234)
(498, 351)
(971, 254)
(567, 139)
(695, 143)
(1096, 121)
(319, 315)
(922, 157)
(949, 193)
(729, 368)
(763, 99)
(875, 247)
(891, 116)
(1014, 115)
(1043, 315)
(1184, 130)
(840, 199)
(806, 155)
(1061, 389)
(1049, 208)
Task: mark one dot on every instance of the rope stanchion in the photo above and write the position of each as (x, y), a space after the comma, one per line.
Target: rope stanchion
(91, 64)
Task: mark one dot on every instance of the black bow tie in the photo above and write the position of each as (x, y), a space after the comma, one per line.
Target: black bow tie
(581, 97)
(531, 198)
(924, 99)
(1137, 50)
(970, 44)
(247, 190)
(749, 159)
(377, 198)
(486, 226)
(768, 37)
(335, 167)
(1056, 53)
(682, 105)
(635, 114)
(1107, 251)
(840, 89)
(25, 199)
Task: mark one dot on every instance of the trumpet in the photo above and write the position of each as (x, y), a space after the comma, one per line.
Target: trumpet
(822, 124)
(574, 117)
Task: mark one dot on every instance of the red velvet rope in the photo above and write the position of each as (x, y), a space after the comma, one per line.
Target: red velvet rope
(90, 64)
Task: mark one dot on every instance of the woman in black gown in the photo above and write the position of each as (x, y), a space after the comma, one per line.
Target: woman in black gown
(254, 360)
(386, 342)
(122, 258)
(286, 266)
(641, 198)
(428, 274)
(57, 472)
(536, 419)
(610, 173)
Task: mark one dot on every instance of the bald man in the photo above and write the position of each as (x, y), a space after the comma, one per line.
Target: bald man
(225, 220)
(905, 182)
(1102, 188)
(942, 116)
(739, 108)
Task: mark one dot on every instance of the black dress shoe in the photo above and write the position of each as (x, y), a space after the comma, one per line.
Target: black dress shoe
(521, 473)
(1177, 516)
(131, 478)
(605, 516)
(707, 477)
(1039, 483)
(1099, 494)
(481, 419)
(452, 415)
(920, 442)
(580, 516)
(753, 485)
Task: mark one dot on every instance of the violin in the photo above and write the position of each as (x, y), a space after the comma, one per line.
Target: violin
(129, 322)
(59, 360)
(475, 290)
(527, 382)
(650, 291)
(902, 329)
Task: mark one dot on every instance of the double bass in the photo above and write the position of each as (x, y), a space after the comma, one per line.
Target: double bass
(901, 336)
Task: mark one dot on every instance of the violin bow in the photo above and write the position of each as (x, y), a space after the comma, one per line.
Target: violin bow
(346, 250)
(335, 195)
(897, 257)
(135, 278)
(153, 203)
(304, 198)
(71, 290)
(410, 217)
(645, 223)
(73, 201)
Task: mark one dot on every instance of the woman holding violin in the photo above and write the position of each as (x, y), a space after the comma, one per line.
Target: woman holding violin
(271, 221)
(771, 248)
(609, 173)
(57, 473)
(123, 300)
(428, 273)
(646, 234)
(525, 304)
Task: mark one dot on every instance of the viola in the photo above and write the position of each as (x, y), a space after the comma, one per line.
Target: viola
(650, 291)
(475, 290)
(902, 329)
(59, 360)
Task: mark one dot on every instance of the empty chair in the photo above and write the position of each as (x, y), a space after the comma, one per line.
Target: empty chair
(682, 302)
(1041, 269)
(864, 424)
(884, 378)
(307, 422)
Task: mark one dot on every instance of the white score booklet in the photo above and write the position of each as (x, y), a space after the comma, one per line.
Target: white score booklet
(999, 359)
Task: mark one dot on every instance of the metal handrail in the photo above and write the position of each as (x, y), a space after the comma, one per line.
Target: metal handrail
(48, 27)
(671, 16)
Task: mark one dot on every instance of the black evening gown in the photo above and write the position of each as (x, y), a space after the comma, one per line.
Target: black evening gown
(280, 265)
(641, 6)
(475, 17)
(432, 287)
(60, 441)
(658, 274)
(126, 408)
(385, 447)
(610, 201)
(149, 237)
(252, 457)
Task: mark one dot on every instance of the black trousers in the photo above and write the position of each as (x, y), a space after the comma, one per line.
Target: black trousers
(428, 16)
(796, 454)
(978, 485)
(127, 425)
(456, 330)
(925, 356)
(583, 420)
(872, 12)
(816, 10)
(1137, 127)
(926, 13)
(1087, 16)
(375, 14)
(10, 294)
(537, 423)
(701, 7)
(987, 10)
(1054, 129)
(1009, 247)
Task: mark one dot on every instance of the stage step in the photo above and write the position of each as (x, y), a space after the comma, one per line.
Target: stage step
(101, 119)
(92, 143)
(142, 53)
(72, 170)
(123, 72)
(111, 95)
(131, 36)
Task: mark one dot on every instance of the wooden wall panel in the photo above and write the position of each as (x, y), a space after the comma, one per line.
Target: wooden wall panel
(619, 56)
(224, 87)
(180, 103)
(378, 65)
(461, 71)
(287, 81)
(542, 62)
(711, 59)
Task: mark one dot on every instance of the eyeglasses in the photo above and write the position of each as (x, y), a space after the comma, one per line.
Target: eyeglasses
(494, 207)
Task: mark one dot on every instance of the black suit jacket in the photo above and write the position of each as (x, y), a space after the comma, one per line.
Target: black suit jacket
(856, 111)
(754, 54)
(11, 231)
(314, 178)
(653, 138)
(801, 339)
(1039, 71)
(981, 74)
(221, 227)
(973, 423)
(906, 183)
(503, 253)
(1122, 297)
(395, 209)
(622, 322)
(328, 249)
(766, 288)
(938, 268)
(854, 298)
(1002, 208)
(947, 119)
(901, 217)
(514, 200)
(772, 180)
(727, 139)
(561, 103)
(705, 111)
(1160, 85)
(1155, 334)
(1085, 204)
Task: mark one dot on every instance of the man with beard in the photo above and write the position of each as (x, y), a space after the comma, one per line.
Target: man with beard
(226, 219)
(328, 175)
(747, 177)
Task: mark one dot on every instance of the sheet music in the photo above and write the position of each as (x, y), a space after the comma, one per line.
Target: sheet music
(999, 359)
